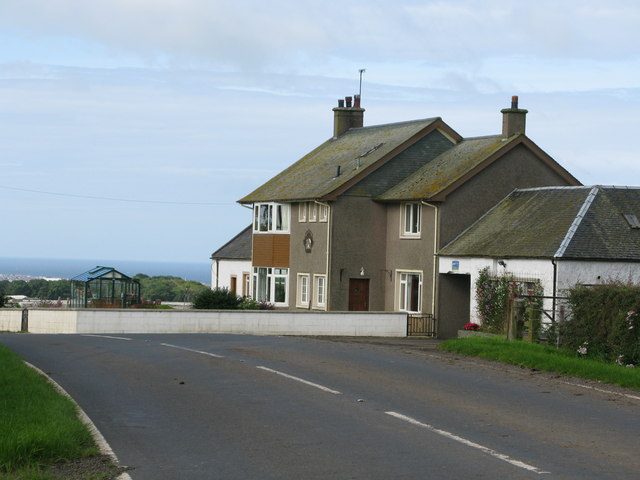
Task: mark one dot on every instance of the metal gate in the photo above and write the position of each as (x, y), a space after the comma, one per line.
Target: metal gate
(421, 324)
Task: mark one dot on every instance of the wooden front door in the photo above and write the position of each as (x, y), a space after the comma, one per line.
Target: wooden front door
(358, 294)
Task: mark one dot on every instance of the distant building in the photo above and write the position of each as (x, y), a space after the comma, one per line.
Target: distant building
(231, 264)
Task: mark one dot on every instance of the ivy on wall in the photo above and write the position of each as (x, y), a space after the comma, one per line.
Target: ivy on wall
(493, 293)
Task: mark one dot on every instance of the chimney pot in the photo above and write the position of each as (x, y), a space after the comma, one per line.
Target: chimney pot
(348, 101)
(356, 101)
(340, 103)
(514, 101)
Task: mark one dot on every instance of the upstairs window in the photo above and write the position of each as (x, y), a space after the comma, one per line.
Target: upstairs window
(302, 212)
(323, 216)
(410, 218)
(271, 218)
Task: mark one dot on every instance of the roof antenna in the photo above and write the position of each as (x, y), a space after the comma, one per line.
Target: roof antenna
(362, 70)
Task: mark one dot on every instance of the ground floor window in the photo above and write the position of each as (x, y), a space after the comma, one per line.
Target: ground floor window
(409, 291)
(320, 284)
(270, 284)
(303, 290)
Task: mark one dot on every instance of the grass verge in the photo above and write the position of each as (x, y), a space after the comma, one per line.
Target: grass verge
(543, 357)
(38, 426)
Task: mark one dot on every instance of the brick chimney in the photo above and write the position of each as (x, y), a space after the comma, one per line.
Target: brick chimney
(513, 119)
(346, 115)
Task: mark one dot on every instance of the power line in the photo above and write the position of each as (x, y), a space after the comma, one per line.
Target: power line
(112, 199)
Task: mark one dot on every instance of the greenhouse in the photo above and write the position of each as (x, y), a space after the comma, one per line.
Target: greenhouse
(104, 287)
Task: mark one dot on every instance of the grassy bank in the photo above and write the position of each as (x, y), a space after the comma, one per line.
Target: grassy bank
(38, 426)
(542, 357)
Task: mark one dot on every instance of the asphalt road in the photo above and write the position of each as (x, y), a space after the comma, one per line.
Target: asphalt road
(247, 407)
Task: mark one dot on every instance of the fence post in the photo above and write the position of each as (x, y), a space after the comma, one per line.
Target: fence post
(24, 325)
(514, 312)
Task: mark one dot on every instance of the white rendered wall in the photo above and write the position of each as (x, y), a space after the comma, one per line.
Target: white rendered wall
(540, 269)
(574, 272)
(223, 270)
(10, 319)
(257, 322)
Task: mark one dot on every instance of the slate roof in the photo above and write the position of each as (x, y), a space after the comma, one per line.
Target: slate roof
(447, 168)
(560, 222)
(238, 248)
(356, 152)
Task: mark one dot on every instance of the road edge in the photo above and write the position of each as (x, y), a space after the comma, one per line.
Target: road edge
(101, 442)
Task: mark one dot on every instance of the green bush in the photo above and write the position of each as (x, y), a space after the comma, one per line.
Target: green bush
(492, 296)
(605, 323)
(217, 299)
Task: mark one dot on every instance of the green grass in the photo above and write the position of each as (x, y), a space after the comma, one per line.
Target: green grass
(543, 357)
(38, 426)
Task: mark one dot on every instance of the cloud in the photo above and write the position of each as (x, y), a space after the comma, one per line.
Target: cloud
(286, 34)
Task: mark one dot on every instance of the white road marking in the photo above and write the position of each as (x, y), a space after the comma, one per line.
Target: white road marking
(468, 443)
(301, 380)
(106, 336)
(634, 397)
(192, 350)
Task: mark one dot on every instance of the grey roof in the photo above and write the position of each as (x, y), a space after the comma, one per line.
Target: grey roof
(556, 222)
(99, 272)
(447, 168)
(356, 152)
(238, 248)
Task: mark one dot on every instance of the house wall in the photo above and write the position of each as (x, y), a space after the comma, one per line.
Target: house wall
(223, 269)
(312, 263)
(454, 297)
(518, 168)
(271, 250)
(572, 272)
(522, 268)
(358, 241)
(256, 322)
(409, 254)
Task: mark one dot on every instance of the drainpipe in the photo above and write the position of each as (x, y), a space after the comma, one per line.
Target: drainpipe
(555, 286)
(328, 283)
(436, 234)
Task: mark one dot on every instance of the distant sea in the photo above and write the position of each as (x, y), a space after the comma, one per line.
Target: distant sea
(67, 268)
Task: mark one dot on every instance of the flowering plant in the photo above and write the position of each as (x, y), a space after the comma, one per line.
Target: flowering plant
(471, 326)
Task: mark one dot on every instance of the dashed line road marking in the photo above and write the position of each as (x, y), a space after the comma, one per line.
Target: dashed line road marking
(469, 443)
(106, 336)
(192, 350)
(301, 380)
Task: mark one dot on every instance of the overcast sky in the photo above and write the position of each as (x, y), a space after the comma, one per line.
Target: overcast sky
(129, 128)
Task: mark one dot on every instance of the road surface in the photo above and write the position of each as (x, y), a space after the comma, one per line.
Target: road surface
(248, 407)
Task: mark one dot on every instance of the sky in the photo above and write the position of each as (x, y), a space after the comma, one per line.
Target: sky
(130, 128)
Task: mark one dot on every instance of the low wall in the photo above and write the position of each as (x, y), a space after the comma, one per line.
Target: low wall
(10, 319)
(257, 322)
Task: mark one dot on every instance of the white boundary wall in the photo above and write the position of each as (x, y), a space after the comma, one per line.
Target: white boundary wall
(257, 322)
(10, 319)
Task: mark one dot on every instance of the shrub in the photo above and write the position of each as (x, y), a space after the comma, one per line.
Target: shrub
(605, 323)
(217, 299)
(492, 296)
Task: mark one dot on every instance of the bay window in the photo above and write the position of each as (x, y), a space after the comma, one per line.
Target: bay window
(270, 284)
(271, 218)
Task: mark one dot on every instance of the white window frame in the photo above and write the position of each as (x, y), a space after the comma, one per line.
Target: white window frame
(411, 216)
(304, 290)
(404, 290)
(313, 212)
(323, 215)
(320, 291)
(271, 217)
(266, 279)
(302, 212)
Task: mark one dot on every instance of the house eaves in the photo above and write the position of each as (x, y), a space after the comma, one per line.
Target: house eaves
(340, 162)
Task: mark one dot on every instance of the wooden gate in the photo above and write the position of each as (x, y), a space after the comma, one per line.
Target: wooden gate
(421, 325)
